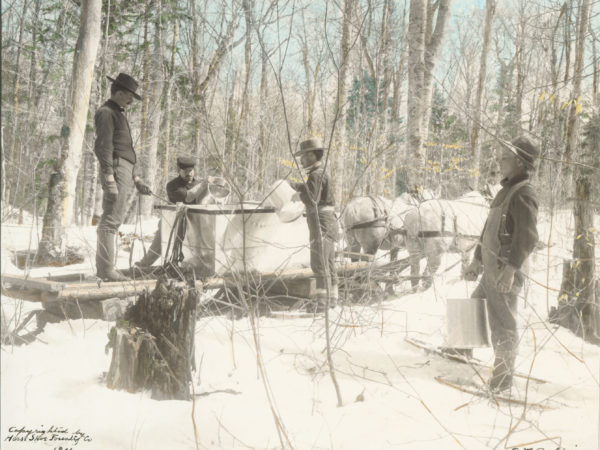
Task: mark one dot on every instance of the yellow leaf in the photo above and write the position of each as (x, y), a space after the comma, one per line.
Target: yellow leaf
(577, 108)
(542, 97)
(551, 98)
(578, 237)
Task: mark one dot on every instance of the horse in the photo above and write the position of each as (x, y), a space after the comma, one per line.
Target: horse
(439, 226)
(371, 223)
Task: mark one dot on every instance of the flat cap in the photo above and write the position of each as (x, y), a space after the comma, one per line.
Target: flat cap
(185, 162)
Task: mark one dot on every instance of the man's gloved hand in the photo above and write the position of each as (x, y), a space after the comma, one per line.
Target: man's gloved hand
(194, 192)
(111, 186)
(142, 187)
(505, 279)
(473, 270)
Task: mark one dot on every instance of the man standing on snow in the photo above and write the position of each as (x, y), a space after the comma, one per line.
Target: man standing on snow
(114, 149)
(508, 238)
(317, 196)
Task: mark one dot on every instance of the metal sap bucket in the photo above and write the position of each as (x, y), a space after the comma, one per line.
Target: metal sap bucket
(281, 198)
(467, 323)
(219, 190)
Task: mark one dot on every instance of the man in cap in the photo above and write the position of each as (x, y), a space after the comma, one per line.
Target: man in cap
(508, 238)
(185, 188)
(317, 195)
(114, 149)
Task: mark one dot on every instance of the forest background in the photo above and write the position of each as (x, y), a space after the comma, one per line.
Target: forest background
(406, 95)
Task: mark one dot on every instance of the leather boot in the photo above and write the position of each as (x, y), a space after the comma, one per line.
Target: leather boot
(105, 257)
(501, 379)
(334, 299)
(319, 304)
(153, 252)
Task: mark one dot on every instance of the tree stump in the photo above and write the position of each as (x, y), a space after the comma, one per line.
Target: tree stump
(153, 347)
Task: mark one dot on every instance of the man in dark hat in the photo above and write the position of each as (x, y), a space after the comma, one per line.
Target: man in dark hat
(114, 150)
(317, 195)
(508, 238)
(185, 188)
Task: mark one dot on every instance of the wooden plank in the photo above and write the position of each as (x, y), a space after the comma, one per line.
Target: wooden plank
(51, 291)
(22, 293)
(297, 287)
(42, 284)
(95, 291)
(78, 277)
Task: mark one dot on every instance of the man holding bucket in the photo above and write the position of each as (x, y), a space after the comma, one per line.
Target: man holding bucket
(317, 195)
(508, 238)
(185, 188)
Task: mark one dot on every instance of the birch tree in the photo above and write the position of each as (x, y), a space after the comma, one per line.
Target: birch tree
(424, 41)
(490, 7)
(59, 211)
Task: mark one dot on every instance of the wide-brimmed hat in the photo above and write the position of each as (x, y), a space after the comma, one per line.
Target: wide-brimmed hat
(127, 82)
(524, 149)
(309, 145)
(185, 162)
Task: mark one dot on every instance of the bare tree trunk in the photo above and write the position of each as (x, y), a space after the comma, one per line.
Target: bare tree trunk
(520, 66)
(91, 182)
(263, 117)
(167, 122)
(432, 48)
(156, 78)
(144, 147)
(14, 117)
(339, 142)
(198, 99)
(573, 119)
(398, 79)
(595, 60)
(62, 185)
(307, 74)
(416, 73)
(490, 7)
(240, 147)
(580, 306)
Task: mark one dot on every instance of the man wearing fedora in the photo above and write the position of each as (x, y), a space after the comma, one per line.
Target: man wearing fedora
(508, 238)
(184, 188)
(114, 149)
(317, 195)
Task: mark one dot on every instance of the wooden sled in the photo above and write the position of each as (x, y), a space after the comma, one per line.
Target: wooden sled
(464, 360)
(85, 287)
(480, 390)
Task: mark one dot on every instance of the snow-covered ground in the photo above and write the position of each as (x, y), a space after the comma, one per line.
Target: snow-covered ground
(282, 393)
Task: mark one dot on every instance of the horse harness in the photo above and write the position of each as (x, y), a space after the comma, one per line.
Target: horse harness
(380, 214)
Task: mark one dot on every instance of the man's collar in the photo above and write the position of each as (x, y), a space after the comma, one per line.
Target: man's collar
(514, 180)
(114, 105)
(187, 182)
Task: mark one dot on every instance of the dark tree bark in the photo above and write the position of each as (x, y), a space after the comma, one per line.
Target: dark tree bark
(578, 304)
(153, 348)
